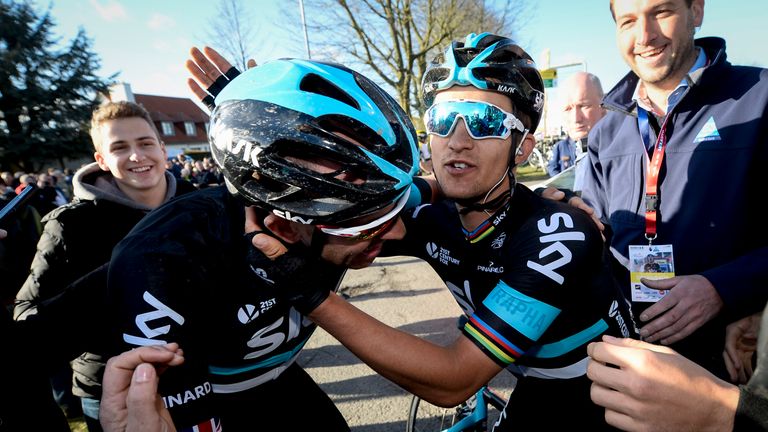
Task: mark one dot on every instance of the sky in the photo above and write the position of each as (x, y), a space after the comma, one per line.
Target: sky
(146, 41)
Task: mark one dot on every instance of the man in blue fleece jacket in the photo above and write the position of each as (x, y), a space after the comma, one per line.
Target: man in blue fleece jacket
(677, 161)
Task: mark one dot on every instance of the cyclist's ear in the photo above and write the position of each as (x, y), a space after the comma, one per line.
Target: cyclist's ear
(524, 149)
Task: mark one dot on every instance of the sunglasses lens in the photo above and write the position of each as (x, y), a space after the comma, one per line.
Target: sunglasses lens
(482, 120)
(485, 121)
(440, 119)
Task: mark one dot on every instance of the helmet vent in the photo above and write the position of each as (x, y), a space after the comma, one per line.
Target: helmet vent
(314, 83)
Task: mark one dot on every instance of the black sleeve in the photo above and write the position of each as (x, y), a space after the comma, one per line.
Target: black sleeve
(156, 286)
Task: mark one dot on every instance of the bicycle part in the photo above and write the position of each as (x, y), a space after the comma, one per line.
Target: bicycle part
(470, 416)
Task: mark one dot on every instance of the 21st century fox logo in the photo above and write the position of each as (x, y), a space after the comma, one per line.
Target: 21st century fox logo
(441, 254)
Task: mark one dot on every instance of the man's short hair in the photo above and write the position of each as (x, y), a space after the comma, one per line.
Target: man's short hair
(114, 111)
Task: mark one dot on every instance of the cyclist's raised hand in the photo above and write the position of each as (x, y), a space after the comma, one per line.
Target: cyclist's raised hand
(130, 402)
(211, 73)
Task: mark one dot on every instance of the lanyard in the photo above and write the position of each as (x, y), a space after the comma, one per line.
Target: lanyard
(652, 172)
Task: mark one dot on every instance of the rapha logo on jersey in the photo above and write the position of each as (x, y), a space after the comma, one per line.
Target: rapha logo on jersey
(432, 250)
(161, 311)
(614, 313)
(187, 396)
(498, 242)
(556, 246)
(260, 272)
(292, 218)
(490, 268)
(225, 141)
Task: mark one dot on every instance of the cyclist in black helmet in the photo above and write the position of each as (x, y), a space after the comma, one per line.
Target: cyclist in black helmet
(328, 157)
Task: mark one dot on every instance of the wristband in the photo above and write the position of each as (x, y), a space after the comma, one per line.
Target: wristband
(217, 86)
(209, 102)
(232, 73)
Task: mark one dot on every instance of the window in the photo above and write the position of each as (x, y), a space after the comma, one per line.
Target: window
(190, 128)
(167, 128)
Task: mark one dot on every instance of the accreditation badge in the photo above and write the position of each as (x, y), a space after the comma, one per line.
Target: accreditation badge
(650, 262)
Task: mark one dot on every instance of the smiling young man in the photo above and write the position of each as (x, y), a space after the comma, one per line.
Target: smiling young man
(681, 115)
(126, 182)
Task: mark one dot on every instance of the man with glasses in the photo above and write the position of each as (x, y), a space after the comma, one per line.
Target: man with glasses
(530, 274)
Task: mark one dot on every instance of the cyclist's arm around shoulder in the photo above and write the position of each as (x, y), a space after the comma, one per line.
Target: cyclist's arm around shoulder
(425, 190)
(442, 375)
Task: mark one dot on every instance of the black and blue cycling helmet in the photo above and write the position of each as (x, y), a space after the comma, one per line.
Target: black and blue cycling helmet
(488, 62)
(272, 117)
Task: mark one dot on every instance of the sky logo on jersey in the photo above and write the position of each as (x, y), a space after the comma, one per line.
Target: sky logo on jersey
(708, 132)
(142, 322)
(556, 246)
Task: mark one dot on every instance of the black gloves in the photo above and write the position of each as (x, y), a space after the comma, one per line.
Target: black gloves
(305, 279)
(217, 86)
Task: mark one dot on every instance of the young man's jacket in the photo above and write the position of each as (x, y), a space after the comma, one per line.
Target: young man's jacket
(77, 238)
(709, 186)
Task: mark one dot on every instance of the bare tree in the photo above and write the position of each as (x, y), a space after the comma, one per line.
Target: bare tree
(395, 39)
(232, 32)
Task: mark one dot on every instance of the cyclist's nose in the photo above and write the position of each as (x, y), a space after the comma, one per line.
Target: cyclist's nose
(460, 138)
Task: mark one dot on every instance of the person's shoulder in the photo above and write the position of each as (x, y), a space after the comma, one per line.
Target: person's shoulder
(77, 210)
(197, 199)
(211, 209)
(557, 216)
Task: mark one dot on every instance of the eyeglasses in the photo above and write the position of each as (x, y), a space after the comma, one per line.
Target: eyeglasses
(372, 229)
(482, 119)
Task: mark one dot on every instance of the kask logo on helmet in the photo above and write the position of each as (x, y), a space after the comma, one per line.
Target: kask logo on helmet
(250, 151)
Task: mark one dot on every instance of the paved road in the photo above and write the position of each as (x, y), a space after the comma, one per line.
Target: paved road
(405, 293)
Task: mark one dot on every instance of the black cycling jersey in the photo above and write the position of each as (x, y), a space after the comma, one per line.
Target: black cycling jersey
(535, 282)
(182, 275)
